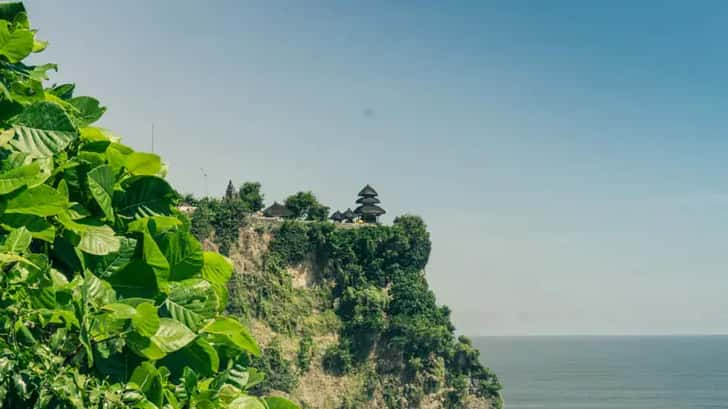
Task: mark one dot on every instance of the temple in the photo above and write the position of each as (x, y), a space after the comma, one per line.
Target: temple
(337, 217)
(349, 216)
(368, 210)
(277, 210)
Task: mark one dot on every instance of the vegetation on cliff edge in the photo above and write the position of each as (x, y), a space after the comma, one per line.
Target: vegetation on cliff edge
(372, 279)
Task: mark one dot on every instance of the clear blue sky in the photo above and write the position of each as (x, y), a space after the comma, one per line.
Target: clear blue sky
(570, 157)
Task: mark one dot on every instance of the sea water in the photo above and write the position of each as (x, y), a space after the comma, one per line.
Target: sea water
(665, 372)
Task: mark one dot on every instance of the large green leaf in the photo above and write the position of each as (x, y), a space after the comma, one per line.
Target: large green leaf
(246, 402)
(154, 224)
(155, 259)
(145, 321)
(145, 196)
(98, 240)
(276, 402)
(15, 45)
(191, 302)
(183, 252)
(39, 228)
(147, 377)
(29, 175)
(172, 335)
(11, 10)
(101, 184)
(141, 163)
(89, 109)
(41, 200)
(17, 241)
(144, 347)
(198, 355)
(94, 237)
(99, 292)
(95, 134)
(110, 264)
(216, 268)
(233, 333)
(42, 130)
(116, 154)
(136, 279)
(120, 311)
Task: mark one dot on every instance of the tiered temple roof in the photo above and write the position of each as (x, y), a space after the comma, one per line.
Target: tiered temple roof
(368, 200)
(368, 209)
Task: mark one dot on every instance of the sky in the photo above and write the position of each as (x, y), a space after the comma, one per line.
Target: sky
(569, 157)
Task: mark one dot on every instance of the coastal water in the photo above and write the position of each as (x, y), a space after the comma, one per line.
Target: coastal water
(677, 372)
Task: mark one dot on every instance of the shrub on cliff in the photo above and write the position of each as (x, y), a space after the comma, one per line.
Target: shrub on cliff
(305, 205)
(106, 299)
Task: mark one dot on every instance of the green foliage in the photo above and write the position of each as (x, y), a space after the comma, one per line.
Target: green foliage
(291, 244)
(249, 193)
(279, 371)
(305, 206)
(106, 298)
(337, 359)
(271, 297)
(224, 218)
(385, 306)
(305, 353)
(363, 311)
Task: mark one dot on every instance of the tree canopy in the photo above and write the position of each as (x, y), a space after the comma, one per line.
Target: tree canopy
(251, 196)
(305, 205)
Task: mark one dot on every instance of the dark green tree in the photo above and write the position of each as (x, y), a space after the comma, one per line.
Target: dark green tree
(250, 195)
(306, 206)
(230, 191)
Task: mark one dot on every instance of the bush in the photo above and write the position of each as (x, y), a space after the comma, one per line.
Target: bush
(279, 372)
(337, 360)
(106, 298)
(251, 197)
(304, 205)
(305, 353)
(291, 243)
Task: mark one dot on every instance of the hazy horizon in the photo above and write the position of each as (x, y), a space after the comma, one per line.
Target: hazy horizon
(568, 158)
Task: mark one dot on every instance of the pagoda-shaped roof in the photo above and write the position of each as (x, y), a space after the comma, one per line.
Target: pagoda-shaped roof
(349, 215)
(370, 209)
(368, 200)
(337, 216)
(277, 210)
(368, 191)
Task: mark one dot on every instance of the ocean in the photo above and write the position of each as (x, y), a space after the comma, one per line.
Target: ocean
(666, 372)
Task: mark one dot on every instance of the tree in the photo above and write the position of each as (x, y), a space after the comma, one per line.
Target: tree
(304, 205)
(251, 197)
(230, 191)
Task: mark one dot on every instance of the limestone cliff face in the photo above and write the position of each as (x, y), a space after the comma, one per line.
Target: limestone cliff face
(285, 306)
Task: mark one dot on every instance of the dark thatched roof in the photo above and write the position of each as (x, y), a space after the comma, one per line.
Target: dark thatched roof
(337, 216)
(368, 191)
(372, 209)
(349, 215)
(277, 210)
(368, 200)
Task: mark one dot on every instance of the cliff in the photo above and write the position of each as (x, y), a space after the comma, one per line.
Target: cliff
(347, 320)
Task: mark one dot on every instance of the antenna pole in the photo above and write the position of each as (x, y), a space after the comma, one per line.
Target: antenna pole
(204, 181)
